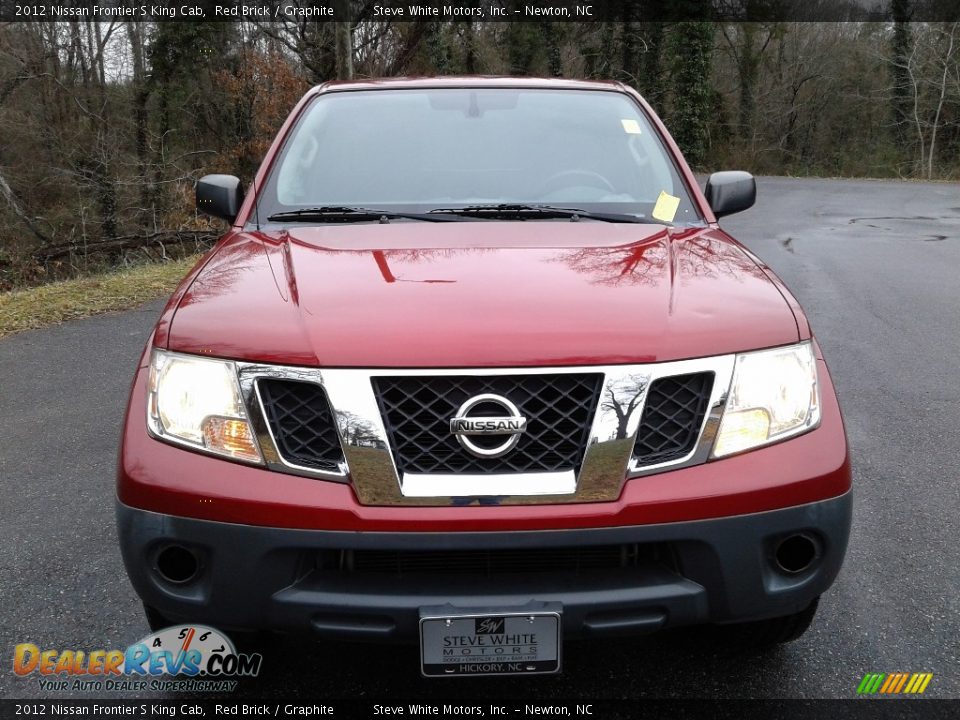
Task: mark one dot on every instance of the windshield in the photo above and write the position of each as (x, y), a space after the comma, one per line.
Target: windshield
(429, 149)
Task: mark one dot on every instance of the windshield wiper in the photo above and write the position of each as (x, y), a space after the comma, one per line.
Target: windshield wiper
(516, 210)
(334, 213)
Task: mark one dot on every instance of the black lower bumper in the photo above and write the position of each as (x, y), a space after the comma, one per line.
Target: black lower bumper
(248, 577)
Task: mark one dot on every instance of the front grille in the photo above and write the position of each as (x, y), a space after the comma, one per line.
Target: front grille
(417, 412)
(301, 423)
(672, 417)
(486, 563)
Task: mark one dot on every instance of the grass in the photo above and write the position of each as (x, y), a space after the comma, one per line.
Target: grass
(82, 297)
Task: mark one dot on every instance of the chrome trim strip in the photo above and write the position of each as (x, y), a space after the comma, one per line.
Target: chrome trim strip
(373, 474)
(492, 485)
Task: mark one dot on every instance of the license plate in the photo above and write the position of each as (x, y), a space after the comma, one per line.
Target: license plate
(502, 644)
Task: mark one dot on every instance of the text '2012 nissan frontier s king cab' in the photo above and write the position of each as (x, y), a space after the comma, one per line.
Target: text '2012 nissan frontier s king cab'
(475, 367)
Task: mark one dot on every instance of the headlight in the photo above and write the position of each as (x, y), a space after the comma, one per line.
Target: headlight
(774, 395)
(196, 401)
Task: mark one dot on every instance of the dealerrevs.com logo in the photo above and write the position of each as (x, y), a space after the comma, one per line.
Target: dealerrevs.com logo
(191, 658)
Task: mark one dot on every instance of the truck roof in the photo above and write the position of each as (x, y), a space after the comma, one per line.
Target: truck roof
(468, 81)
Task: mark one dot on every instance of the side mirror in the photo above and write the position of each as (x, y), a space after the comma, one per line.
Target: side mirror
(730, 192)
(220, 196)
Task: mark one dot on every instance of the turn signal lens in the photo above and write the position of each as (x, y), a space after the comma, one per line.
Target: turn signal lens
(741, 430)
(231, 437)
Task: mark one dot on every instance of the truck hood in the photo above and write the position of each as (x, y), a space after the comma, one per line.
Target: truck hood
(480, 294)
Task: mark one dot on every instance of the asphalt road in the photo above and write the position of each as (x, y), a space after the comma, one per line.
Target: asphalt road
(876, 266)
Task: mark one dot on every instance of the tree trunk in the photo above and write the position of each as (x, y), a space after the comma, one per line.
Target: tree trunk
(470, 50)
(651, 70)
(940, 100)
(629, 60)
(140, 96)
(899, 76)
(691, 46)
(551, 38)
(437, 49)
(605, 64)
(524, 41)
(344, 50)
(748, 65)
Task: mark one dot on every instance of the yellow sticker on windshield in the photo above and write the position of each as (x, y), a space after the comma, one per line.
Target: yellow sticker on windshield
(666, 208)
(631, 127)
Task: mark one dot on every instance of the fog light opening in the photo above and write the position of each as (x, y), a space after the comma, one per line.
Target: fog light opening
(176, 564)
(796, 554)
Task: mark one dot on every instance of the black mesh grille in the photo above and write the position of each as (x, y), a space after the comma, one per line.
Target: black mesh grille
(672, 416)
(576, 560)
(417, 412)
(302, 423)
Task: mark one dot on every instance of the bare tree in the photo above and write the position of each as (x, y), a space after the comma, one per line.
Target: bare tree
(930, 68)
(344, 50)
(622, 399)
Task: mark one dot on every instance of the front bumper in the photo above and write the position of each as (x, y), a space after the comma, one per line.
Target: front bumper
(254, 577)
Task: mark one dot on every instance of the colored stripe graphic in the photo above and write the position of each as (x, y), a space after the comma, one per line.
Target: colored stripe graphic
(903, 680)
(918, 683)
(870, 683)
(894, 683)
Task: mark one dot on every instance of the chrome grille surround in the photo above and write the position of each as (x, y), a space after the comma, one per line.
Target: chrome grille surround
(373, 471)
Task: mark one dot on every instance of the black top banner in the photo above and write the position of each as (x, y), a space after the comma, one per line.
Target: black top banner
(357, 11)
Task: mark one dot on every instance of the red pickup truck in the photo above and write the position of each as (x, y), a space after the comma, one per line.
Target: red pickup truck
(475, 367)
